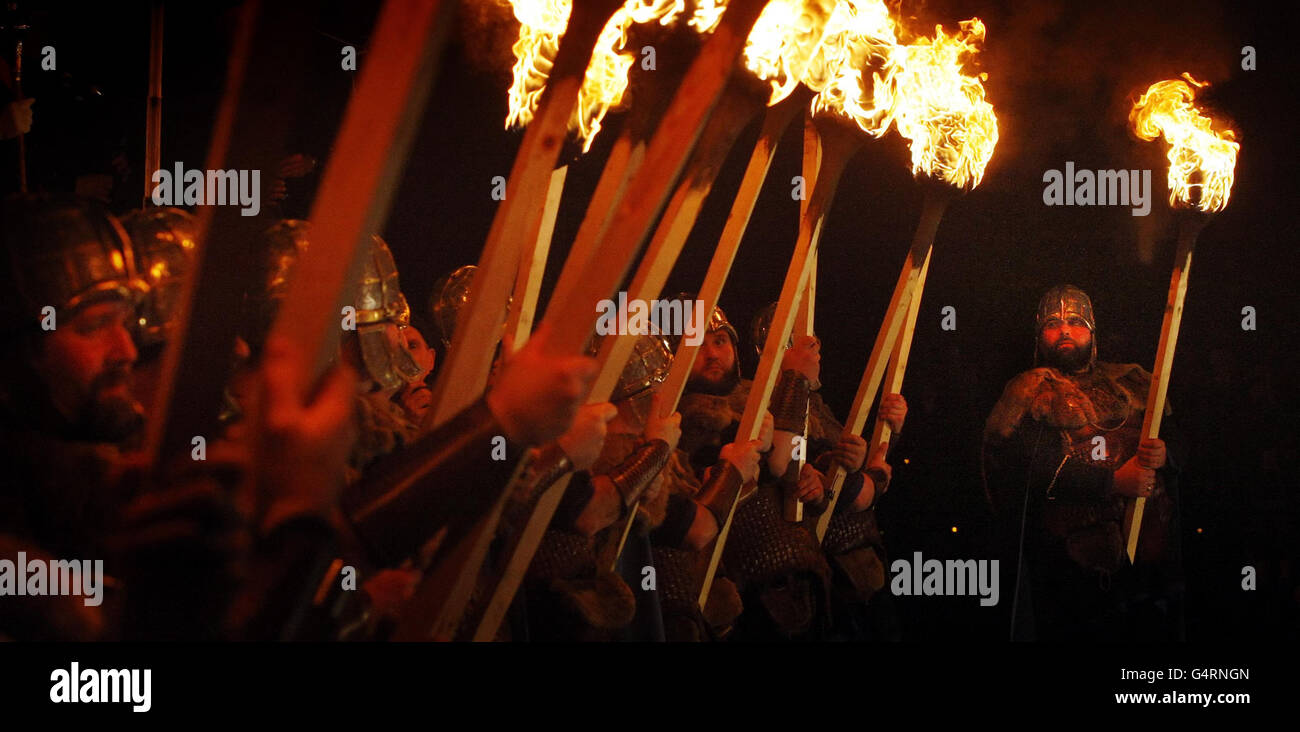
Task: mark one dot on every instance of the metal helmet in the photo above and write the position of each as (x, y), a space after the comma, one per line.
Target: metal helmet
(717, 322)
(280, 245)
(64, 252)
(646, 367)
(761, 324)
(449, 297)
(450, 294)
(1062, 302)
(379, 302)
(284, 242)
(165, 241)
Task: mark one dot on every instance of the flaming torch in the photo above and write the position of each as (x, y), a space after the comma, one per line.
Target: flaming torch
(857, 36)
(952, 132)
(1202, 163)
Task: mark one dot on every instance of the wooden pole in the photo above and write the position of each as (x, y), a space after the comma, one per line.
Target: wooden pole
(153, 110)
(1189, 228)
(532, 265)
(760, 161)
(880, 434)
(932, 208)
(839, 143)
(812, 158)
(624, 160)
(775, 122)
(653, 91)
(734, 112)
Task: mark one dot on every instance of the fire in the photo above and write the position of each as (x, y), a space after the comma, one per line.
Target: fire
(829, 45)
(859, 36)
(784, 41)
(1196, 151)
(920, 87)
(542, 25)
(939, 108)
(707, 14)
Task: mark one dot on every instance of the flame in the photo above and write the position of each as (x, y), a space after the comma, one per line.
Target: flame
(784, 41)
(828, 45)
(542, 25)
(1196, 150)
(859, 36)
(951, 128)
(706, 15)
(919, 87)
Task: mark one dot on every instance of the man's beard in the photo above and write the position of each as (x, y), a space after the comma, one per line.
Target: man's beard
(110, 417)
(1070, 361)
(721, 387)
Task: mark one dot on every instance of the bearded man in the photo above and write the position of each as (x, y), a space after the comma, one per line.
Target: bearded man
(1063, 457)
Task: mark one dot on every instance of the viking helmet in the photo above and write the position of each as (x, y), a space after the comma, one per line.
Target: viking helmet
(449, 297)
(165, 241)
(1063, 302)
(761, 325)
(717, 322)
(63, 252)
(280, 245)
(646, 367)
(450, 294)
(380, 302)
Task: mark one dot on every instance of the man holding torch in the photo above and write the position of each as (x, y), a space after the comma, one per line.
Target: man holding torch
(1062, 451)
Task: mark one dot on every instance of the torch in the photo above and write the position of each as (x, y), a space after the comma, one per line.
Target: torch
(854, 39)
(952, 132)
(1202, 163)
(603, 87)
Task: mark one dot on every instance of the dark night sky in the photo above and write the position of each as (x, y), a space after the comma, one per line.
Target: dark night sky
(1061, 76)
